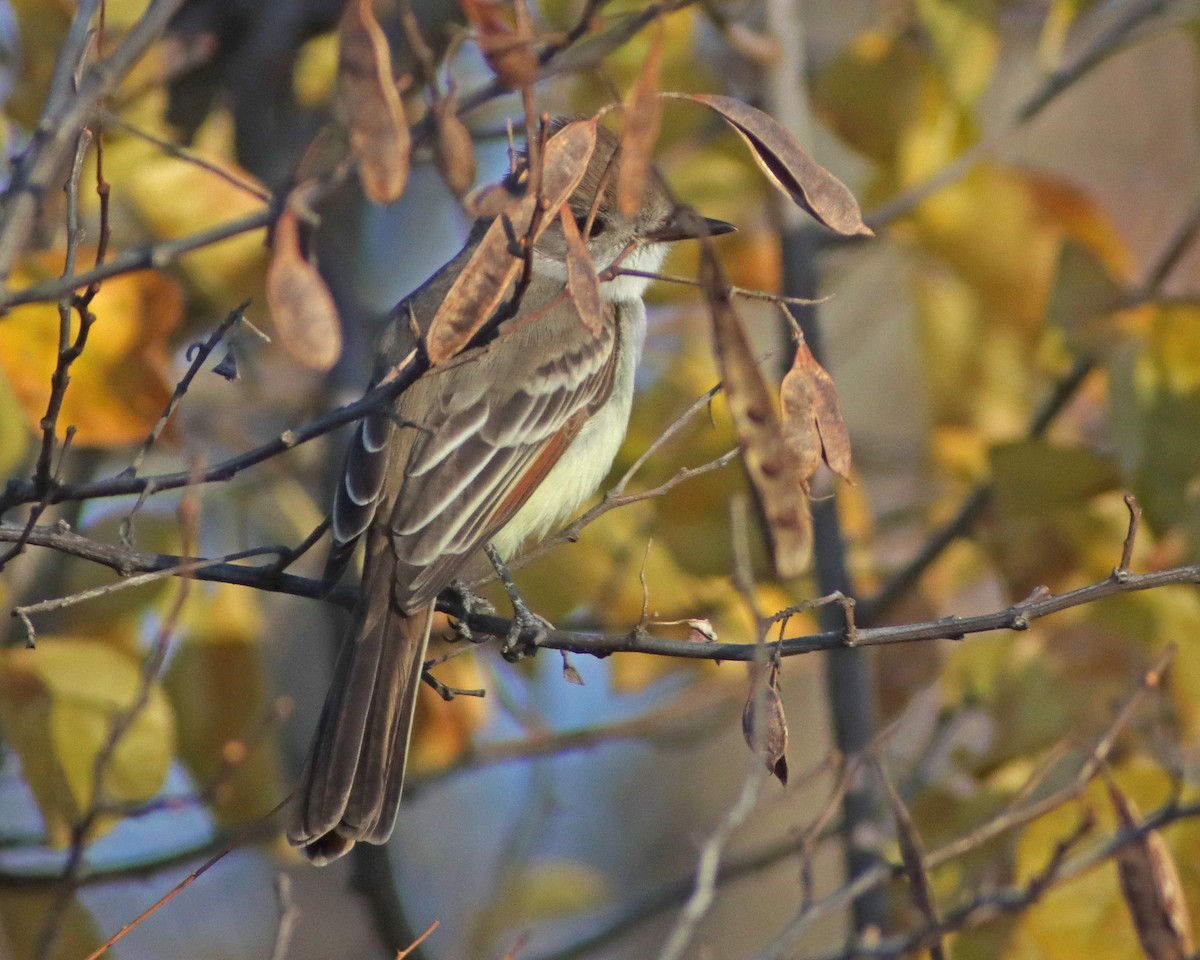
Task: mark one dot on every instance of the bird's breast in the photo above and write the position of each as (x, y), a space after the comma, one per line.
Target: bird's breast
(586, 462)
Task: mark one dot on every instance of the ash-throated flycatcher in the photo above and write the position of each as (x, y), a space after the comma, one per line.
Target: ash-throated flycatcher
(508, 440)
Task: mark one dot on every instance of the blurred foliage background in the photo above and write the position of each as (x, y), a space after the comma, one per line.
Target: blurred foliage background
(1030, 168)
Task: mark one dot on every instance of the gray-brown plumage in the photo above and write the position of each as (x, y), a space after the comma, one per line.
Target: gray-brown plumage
(505, 442)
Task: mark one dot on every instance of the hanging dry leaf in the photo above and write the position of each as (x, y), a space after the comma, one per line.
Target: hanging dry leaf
(787, 165)
(583, 284)
(1151, 887)
(639, 130)
(771, 463)
(508, 50)
(912, 853)
(812, 416)
(764, 724)
(453, 151)
(485, 279)
(301, 305)
(367, 92)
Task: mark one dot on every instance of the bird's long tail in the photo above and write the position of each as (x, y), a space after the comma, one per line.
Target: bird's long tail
(352, 779)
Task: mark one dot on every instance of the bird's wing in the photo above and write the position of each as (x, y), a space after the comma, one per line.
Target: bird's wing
(488, 428)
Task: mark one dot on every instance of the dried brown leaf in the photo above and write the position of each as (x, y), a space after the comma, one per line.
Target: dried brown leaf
(301, 306)
(912, 853)
(508, 50)
(771, 463)
(1151, 887)
(379, 134)
(485, 279)
(812, 416)
(786, 164)
(639, 130)
(453, 151)
(701, 631)
(583, 284)
(764, 724)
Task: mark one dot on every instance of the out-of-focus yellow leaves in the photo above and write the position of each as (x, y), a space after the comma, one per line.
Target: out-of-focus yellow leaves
(678, 64)
(315, 71)
(965, 41)
(169, 198)
(1155, 401)
(443, 730)
(1001, 231)
(15, 434)
(1083, 297)
(219, 687)
(120, 385)
(885, 97)
(536, 892)
(23, 915)
(1059, 18)
(42, 24)
(58, 704)
(116, 616)
(1035, 476)
(1087, 916)
(123, 14)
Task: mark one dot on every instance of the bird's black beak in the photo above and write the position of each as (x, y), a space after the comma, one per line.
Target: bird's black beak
(685, 225)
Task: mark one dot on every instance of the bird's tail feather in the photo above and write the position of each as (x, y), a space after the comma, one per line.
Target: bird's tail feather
(352, 779)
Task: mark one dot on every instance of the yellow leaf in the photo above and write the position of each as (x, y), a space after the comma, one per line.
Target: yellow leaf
(1035, 476)
(443, 729)
(1155, 402)
(115, 616)
(41, 25)
(965, 41)
(220, 689)
(315, 71)
(15, 434)
(539, 891)
(58, 704)
(23, 914)
(120, 385)
(169, 198)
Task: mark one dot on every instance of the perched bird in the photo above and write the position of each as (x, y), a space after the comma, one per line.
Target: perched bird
(501, 444)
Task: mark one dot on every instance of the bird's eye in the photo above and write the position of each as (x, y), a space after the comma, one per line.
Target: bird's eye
(596, 229)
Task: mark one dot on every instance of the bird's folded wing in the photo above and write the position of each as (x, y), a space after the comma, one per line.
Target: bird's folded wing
(488, 430)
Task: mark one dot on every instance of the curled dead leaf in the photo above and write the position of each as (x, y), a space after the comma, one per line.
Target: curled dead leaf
(771, 462)
(764, 724)
(379, 134)
(301, 305)
(491, 269)
(787, 165)
(701, 631)
(508, 50)
(583, 284)
(453, 151)
(1151, 887)
(813, 425)
(639, 130)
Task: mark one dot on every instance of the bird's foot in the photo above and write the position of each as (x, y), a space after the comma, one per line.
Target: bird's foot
(527, 628)
(470, 603)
